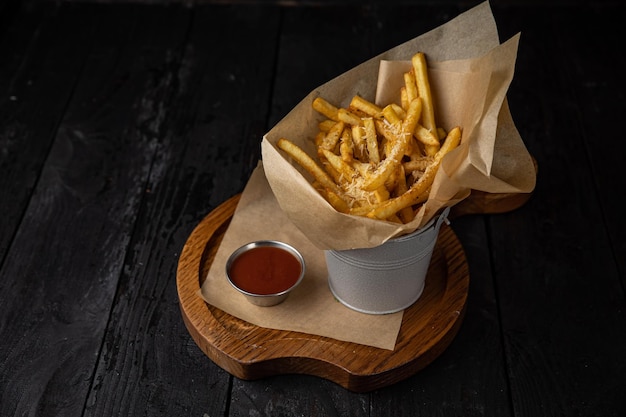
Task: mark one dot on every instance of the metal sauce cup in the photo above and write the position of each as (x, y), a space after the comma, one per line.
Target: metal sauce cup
(265, 271)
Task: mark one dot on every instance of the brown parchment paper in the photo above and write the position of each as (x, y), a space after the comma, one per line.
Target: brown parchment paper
(470, 72)
(311, 307)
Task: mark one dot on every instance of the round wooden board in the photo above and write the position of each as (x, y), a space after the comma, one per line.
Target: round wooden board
(251, 352)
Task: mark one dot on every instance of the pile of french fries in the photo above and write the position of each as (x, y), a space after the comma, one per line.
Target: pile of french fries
(378, 162)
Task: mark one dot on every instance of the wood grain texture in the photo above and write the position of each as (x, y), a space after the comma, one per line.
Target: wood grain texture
(558, 283)
(67, 261)
(50, 322)
(37, 76)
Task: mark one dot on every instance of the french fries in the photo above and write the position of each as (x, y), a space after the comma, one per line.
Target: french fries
(379, 161)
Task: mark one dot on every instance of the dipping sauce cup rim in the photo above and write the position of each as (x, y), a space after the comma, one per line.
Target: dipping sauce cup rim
(266, 243)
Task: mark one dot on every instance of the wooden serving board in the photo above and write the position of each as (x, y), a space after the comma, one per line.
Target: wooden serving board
(251, 352)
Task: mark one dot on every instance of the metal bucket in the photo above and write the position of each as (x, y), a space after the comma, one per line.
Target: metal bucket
(385, 279)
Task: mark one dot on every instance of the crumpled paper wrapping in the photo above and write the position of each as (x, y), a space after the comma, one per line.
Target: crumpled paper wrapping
(470, 72)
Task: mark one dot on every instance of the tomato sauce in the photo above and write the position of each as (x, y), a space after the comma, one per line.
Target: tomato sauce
(265, 270)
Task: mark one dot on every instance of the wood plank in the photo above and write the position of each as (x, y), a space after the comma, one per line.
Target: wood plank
(559, 290)
(62, 271)
(316, 45)
(208, 144)
(392, 26)
(42, 56)
(598, 85)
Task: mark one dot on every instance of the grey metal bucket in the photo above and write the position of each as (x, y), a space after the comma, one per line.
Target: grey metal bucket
(387, 278)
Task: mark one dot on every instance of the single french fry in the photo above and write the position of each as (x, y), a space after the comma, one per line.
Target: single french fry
(384, 131)
(441, 133)
(452, 140)
(406, 214)
(347, 173)
(360, 146)
(371, 140)
(426, 136)
(400, 111)
(330, 170)
(324, 107)
(381, 194)
(308, 164)
(413, 113)
(392, 181)
(332, 137)
(348, 117)
(417, 164)
(404, 98)
(411, 86)
(367, 107)
(319, 187)
(416, 149)
(431, 149)
(346, 145)
(325, 125)
(361, 210)
(319, 138)
(390, 115)
(394, 219)
(336, 201)
(423, 89)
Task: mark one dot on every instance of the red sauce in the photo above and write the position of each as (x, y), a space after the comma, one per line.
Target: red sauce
(265, 270)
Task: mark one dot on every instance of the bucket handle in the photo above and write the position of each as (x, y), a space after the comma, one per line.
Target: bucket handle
(443, 217)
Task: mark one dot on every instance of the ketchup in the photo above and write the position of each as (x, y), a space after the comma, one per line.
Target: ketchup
(265, 270)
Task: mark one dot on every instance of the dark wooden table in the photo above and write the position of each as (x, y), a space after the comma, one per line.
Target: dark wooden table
(123, 125)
